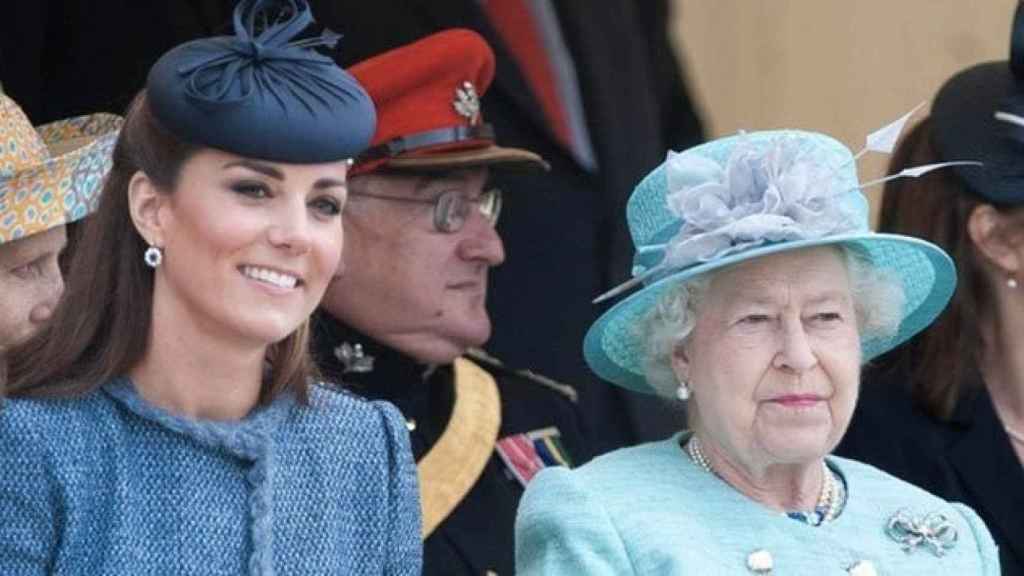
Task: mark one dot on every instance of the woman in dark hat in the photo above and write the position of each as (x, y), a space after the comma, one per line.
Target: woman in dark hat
(164, 422)
(946, 410)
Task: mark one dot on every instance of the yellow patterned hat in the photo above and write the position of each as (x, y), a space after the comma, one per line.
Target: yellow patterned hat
(50, 175)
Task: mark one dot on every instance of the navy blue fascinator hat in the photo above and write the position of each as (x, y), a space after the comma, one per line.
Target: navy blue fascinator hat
(261, 94)
(978, 114)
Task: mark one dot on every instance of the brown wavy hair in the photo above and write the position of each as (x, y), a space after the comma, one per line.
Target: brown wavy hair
(943, 359)
(101, 327)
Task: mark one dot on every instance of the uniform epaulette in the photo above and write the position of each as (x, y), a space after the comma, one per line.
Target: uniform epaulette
(478, 355)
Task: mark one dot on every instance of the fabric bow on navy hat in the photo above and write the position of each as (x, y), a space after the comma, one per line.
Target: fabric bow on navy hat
(261, 95)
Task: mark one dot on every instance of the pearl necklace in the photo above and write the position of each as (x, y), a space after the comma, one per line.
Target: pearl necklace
(827, 499)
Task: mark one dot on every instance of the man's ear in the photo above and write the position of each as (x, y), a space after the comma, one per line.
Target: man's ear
(993, 234)
(145, 203)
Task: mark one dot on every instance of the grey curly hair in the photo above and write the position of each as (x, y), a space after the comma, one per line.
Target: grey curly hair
(877, 295)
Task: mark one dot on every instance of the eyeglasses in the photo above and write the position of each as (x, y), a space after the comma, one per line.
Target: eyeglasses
(451, 208)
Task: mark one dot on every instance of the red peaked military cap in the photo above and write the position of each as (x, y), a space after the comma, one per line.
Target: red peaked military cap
(427, 95)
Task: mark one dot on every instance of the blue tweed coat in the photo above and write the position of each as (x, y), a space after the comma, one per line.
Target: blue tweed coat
(651, 510)
(108, 484)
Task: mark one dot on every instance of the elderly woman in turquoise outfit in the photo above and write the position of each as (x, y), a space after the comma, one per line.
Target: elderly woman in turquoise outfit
(166, 419)
(763, 293)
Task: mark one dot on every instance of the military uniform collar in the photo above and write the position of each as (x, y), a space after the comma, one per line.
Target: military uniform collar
(364, 365)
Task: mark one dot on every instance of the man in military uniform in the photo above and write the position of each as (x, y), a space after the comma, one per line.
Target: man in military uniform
(401, 321)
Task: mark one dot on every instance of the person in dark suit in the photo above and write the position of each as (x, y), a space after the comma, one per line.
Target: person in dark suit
(400, 322)
(564, 233)
(946, 410)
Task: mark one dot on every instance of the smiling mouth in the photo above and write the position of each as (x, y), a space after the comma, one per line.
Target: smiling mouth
(274, 278)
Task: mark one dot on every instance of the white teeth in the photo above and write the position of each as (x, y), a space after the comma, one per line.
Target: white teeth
(270, 277)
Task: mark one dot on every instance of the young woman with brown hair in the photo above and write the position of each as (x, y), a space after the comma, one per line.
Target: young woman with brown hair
(165, 420)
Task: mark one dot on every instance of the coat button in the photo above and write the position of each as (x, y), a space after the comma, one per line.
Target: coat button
(862, 568)
(760, 562)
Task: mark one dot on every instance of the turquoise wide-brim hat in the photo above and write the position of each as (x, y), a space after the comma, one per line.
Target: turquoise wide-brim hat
(747, 196)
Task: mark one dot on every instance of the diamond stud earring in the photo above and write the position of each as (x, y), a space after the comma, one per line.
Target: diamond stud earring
(154, 256)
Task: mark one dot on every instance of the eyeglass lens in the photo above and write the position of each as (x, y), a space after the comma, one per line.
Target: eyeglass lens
(452, 209)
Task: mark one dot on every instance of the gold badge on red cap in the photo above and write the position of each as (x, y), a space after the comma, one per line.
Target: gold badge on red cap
(467, 103)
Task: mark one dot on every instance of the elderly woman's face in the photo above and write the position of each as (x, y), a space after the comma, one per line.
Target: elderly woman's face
(774, 358)
(30, 283)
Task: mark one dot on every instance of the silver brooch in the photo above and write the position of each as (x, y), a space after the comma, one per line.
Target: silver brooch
(353, 358)
(467, 103)
(933, 531)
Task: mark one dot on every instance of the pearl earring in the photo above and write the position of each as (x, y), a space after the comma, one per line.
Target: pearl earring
(683, 391)
(154, 256)
(1011, 283)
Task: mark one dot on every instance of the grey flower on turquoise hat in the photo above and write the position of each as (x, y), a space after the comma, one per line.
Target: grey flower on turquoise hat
(759, 196)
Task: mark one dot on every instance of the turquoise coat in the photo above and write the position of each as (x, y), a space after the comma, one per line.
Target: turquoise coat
(651, 510)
